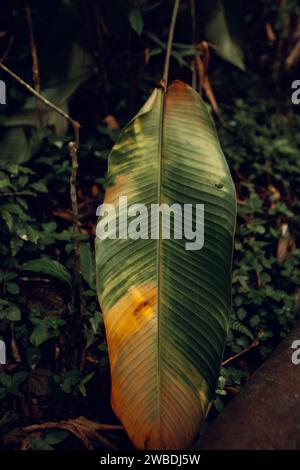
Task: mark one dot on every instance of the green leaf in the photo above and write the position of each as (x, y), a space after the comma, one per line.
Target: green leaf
(87, 378)
(7, 217)
(70, 379)
(39, 186)
(19, 377)
(136, 21)
(12, 288)
(88, 265)
(238, 326)
(167, 309)
(84, 381)
(15, 146)
(95, 322)
(45, 329)
(5, 380)
(3, 393)
(221, 32)
(56, 436)
(40, 334)
(4, 181)
(82, 389)
(10, 275)
(49, 267)
(31, 234)
(49, 227)
(37, 443)
(13, 313)
(71, 68)
(33, 356)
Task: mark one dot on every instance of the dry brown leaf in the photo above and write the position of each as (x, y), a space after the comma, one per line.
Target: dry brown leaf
(275, 195)
(146, 55)
(204, 83)
(64, 214)
(293, 56)
(95, 190)
(270, 33)
(286, 244)
(111, 122)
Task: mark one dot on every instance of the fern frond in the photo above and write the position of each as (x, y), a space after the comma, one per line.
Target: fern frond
(240, 328)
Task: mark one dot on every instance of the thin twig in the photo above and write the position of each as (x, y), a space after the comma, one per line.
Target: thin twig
(83, 428)
(73, 146)
(236, 356)
(170, 42)
(35, 63)
(194, 39)
(202, 67)
(294, 55)
(100, 40)
(38, 95)
(254, 344)
(96, 25)
(6, 52)
(17, 193)
(14, 347)
(35, 279)
(53, 424)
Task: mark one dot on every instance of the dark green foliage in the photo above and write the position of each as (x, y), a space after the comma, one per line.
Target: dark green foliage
(92, 59)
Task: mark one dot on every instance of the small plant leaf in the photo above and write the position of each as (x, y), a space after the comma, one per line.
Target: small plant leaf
(136, 21)
(49, 267)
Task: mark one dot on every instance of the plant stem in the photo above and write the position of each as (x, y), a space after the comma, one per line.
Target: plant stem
(170, 42)
(73, 146)
(6, 52)
(35, 63)
(194, 37)
(39, 96)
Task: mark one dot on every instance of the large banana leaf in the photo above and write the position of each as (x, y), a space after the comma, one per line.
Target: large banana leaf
(166, 310)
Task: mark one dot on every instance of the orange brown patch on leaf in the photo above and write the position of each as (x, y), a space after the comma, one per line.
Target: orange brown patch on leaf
(119, 188)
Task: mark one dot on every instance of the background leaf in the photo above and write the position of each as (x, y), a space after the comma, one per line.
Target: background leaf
(136, 21)
(222, 30)
(49, 267)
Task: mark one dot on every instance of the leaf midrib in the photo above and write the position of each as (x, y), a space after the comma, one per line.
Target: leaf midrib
(159, 247)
